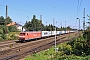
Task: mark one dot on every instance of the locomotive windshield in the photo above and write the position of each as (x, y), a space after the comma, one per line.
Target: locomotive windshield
(22, 34)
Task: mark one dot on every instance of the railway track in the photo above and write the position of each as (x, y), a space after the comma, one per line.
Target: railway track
(16, 49)
(12, 44)
(7, 44)
(22, 50)
(4, 42)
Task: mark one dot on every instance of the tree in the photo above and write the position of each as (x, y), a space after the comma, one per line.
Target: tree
(3, 29)
(2, 20)
(80, 46)
(8, 20)
(34, 25)
(5, 21)
(28, 26)
(12, 28)
(88, 28)
(68, 28)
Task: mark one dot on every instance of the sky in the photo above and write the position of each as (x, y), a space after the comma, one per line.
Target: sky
(21, 11)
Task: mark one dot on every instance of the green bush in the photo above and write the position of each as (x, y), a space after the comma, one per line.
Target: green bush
(86, 34)
(3, 36)
(12, 29)
(80, 46)
(4, 29)
(1, 31)
(65, 48)
(1, 39)
(12, 35)
(9, 36)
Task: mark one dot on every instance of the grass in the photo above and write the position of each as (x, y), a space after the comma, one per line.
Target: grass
(43, 55)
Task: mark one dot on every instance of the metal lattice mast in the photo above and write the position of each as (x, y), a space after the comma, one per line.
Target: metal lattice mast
(41, 21)
(6, 11)
(84, 20)
(6, 18)
(53, 24)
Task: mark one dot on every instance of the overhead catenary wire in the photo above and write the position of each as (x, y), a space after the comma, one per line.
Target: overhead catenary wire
(15, 9)
(53, 23)
(54, 7)
(2, 5)
(19, 9)
(23, 11)
(27, 12)
(48, 3)
(78, 7)
(31, 12)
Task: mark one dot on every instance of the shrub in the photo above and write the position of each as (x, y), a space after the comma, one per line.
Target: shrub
(86, 35)
(65, 48)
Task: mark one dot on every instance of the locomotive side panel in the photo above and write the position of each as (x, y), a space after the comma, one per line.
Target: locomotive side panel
(29, 35)
(33, 35)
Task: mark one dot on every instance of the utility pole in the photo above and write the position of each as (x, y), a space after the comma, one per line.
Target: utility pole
(65, 27)
(61, 24)
(46, 22)
(79, 24)
(6, 18)
(53, 23)
(41, 21)
(65, 24)
(55, 39)
(84, 20)
(6, 11)
(6, 14)
(88, 19)
(55, 34)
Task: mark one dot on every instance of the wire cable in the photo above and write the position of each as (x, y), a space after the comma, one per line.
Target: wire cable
(80, 5)
(78, 8)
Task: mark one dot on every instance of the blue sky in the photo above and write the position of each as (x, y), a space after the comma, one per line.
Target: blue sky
(60, 10)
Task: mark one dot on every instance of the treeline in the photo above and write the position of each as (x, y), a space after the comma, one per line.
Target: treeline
(6, 31)
(33, 25)
(37, 25)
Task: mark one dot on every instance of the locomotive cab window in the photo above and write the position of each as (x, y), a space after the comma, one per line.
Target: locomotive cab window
(22, 34)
